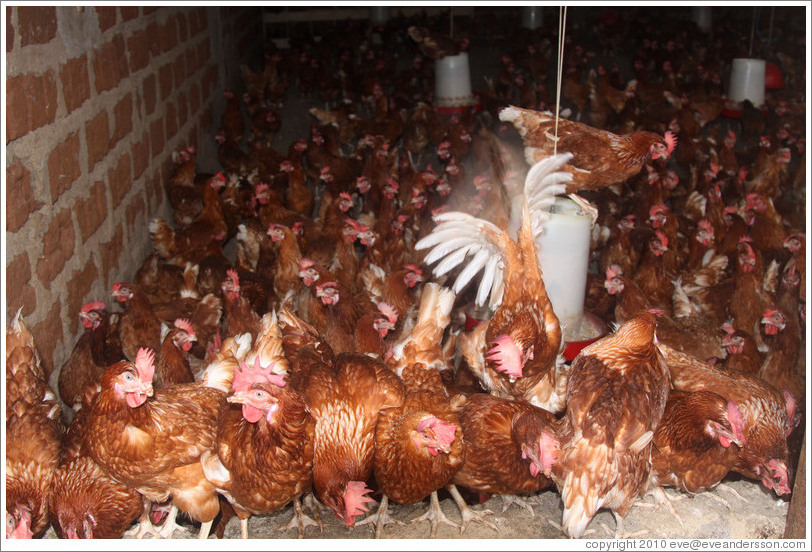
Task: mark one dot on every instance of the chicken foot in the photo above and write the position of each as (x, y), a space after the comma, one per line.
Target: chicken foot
(435, 515)
(380, 518)
(660, 498)
(468, 514)
(527, 504)
(585, 206)
(620, 529)
(300, 520)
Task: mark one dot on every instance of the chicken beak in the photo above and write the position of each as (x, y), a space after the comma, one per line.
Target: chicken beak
(236, 398)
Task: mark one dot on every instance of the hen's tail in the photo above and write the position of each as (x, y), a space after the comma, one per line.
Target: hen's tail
(220, 373)
(268, 345)
(436, 303)
(163, 239)
(524, 119)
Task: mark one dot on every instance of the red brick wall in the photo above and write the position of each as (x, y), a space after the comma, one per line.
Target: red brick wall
(97, 100)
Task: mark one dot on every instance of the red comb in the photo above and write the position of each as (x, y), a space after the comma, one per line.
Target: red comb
(144, 364)
(728, 328)
(389, 311)
(670, 141)
(233, 276)
(246, 376)
(345, 195)
(657, 312)
(304, 263)
(94, 305)
(414, 268)
(185, 325)
(662, 237)
(612, 271)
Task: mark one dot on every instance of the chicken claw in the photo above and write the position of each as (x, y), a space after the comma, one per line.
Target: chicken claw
(300, 520)
(660, 498)
(468, 514)
(380, 518)
(435, 515)
(527, 504)
(620, 529)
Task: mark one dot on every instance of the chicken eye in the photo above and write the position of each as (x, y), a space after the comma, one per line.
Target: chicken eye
(259, 394)
(128, 377)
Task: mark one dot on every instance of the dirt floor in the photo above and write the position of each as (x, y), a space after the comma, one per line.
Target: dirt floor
(738, 509)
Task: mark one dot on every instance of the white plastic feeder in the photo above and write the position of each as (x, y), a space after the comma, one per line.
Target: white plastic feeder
(532, 17)
(564, 260)
(452, 82)
(378, 15)
(701, 15)
(747, 80)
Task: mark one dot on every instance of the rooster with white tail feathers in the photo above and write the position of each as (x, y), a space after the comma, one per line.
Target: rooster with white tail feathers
(515, 353)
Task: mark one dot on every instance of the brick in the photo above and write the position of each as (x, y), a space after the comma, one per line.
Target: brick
(19, 291)
(168, 35)
(128, 13)
(10, 32)
(179, 69)
(20, 200)
(194, 98)
(203, 53)
(171, 120)
(193, 18)
(107, 17)
(138, 45)
(156, 135)
(119, 179)
(183, 27)
(75, 81)
(57, 247)
(37, 24)
(191, 61)
(140, 156)
(47, 335)
(123, 114)
(110, 253)
(152, 32)
(165, 80)
(34, 100)
(63, 166)
(209, 80)
(149, 91)
(153, 202)
(109, 64)
(134, 212)
(93, 207)
(79, 286)
(203, 20)
(183, 106)
(97, 134)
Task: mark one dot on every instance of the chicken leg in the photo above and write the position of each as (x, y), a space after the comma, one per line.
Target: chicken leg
(467, 513)
(380, 518)
(300, 520)
(435, 515)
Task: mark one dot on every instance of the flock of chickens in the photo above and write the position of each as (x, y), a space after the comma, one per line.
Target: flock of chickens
(284, 342)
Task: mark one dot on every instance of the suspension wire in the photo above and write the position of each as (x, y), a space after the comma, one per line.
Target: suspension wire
(562, 23)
